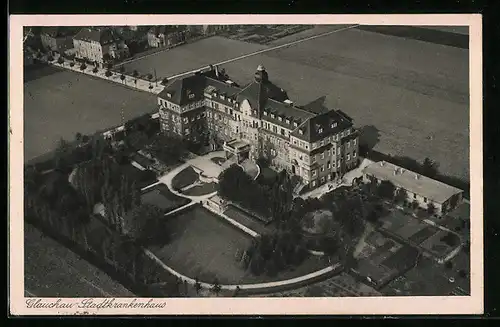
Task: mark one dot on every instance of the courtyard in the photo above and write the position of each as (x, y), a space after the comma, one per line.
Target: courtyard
(59, 104)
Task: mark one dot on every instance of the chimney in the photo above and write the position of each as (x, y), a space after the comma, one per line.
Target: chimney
(217, 71)
(381, 164)
(416, 176)
(395, 171)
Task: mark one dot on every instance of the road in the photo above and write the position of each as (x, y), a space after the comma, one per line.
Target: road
(51, 270)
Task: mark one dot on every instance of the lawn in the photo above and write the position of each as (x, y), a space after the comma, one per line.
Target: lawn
(218, 160)
(60, 103)
(184, 178)
(160, 196)
(203, 189)
(204, 245)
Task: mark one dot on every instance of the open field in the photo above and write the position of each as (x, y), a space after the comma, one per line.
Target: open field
(59, 103)
(191, 56)
(51, 270)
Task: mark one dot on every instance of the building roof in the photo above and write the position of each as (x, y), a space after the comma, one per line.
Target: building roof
(322, 125)
(103, 36)
(185, 90)
(424, 186)
(164, 29)
(59, 31)
(267, 99)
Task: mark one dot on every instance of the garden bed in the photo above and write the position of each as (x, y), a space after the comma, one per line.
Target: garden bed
(185, 178)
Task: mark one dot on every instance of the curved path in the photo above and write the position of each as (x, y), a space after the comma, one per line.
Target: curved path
(167, 179)
(257, 286)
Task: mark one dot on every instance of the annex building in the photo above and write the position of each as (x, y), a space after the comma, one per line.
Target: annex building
(312, 142)
(422, 189)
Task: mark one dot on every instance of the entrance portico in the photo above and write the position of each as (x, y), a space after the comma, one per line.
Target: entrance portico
(237, 150)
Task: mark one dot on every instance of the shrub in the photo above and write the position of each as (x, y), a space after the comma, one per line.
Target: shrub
(122, 69)
(164, 81)
(60, 60)
(95, 70)
(71, 64)
(83, 66)
(108, 73)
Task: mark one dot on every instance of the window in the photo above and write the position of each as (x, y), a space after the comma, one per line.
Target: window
(425, 200)
(282, 131)
(334, 124)
(322, 168)
(288, 121)
(280, 119)
(328, 153)
(314, 172)
(321, 143)
(191, 96)
(323, 155)
(354, 142)
(275, 129)
(265, 113)
(295, 142)
(348, 156)
(186, 131)
(338, 164)
(348, 144)
(231, 112)
(354, 154)
(320, 130)
(322, 179)
(301, 132)
(192, 118)
(328, 165)
(295, 124)
(273, 116)
(216, 105)
(307, 147)
(313, 183)
(414, 196)
(185, 120)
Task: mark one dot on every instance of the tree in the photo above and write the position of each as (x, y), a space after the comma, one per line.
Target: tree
(429, 168)
(122, 77)
(78, 137)
(216, 287)
(142, 222)
(108, 73)
(386, 189)
(72, 64)
(462, 273)
(122, 69)
(197, 285)
(415, 205)
(83, 66)
(60, 60)
(106, 58)
(164, 81)
(150, 77)
(95, 70)
(400, 196)
(150, 86)
(135, 73)
(431, 208)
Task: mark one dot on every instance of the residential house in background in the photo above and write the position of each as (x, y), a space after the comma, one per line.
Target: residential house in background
(258, 120)
(58, 38)
(99, 45)
(166, 35)
(422, 189)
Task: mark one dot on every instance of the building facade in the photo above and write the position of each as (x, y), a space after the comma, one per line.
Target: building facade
(163, 36)
(97, 45)
(418, 188)
(317, 146)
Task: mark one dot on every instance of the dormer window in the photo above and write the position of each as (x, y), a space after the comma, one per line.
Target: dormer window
(265, 113)
(280, 119)
(320, 130)
(169, 95)
(255, 112)
(273, 116)
(301, 132)
(295, 124)
(288, 121)
(191, 95)
(334, 124)
(222, 96)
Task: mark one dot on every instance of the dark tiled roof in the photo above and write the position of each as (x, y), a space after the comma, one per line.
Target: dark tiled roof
(59, 31)
(104, 36)
(50, 30)
(288, 113)
(182, 89)
(317, 106)
(65, 43)
(311, 129)
(258, 94)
